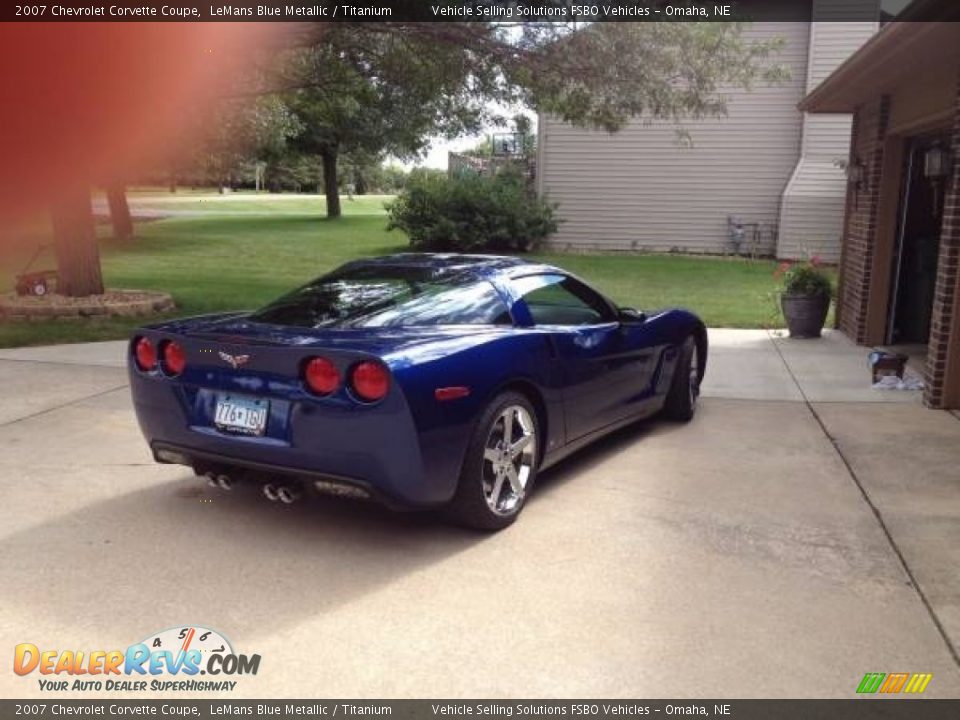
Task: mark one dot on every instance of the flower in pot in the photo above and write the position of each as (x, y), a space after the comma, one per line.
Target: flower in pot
(804, 297)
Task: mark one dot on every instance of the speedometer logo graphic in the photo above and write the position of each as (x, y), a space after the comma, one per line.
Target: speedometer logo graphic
(183, 639)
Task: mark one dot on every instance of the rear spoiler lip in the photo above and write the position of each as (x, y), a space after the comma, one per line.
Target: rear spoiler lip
(179, 325)
(226, 339)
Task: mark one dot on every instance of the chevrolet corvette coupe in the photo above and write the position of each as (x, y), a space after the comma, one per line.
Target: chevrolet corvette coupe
(418, 380)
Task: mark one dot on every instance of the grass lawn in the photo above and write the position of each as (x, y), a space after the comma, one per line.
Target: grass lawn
(239, 252)
(252, 203)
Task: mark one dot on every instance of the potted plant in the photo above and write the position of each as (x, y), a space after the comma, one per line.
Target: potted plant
(804, 297)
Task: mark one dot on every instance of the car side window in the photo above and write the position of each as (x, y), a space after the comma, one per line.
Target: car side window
(562, 300)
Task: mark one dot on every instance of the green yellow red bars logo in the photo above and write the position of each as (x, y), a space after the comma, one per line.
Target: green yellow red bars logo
(914, 683)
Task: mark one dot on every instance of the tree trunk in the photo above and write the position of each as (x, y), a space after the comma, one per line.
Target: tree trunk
(330, 187)
(120, 212)
(75, 239)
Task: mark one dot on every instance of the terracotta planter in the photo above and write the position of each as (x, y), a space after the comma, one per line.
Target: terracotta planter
(805, 314)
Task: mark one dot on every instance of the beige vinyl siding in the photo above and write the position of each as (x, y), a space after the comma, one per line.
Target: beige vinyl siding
(639, 190)
(811, 219)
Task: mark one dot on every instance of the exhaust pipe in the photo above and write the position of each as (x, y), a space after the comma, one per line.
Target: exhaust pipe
(270, 492)
(288, 495)
(225, 482)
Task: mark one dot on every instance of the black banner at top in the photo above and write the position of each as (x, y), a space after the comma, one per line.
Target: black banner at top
(478, 10)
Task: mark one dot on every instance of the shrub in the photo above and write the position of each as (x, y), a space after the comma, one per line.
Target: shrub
(471, 213)
(808, 278)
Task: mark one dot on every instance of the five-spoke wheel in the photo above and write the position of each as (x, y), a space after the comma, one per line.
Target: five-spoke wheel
(509, 458)
(500, 466)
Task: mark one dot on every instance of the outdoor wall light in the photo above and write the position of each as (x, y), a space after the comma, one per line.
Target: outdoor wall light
(936, 163)
(936, 168)
(855, 172)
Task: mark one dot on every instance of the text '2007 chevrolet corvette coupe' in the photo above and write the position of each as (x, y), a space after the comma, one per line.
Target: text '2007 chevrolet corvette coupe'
(419, 380)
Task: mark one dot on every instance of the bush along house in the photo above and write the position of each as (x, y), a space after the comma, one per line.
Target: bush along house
(899, 278)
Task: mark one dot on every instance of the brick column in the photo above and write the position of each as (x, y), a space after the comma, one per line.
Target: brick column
(948, 276)
(838, 314)
(860, 226)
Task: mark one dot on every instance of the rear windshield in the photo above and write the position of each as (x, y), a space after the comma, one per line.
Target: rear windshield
(371, 296)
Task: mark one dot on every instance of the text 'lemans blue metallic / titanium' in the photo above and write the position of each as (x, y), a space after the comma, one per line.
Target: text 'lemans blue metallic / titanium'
(415, 351)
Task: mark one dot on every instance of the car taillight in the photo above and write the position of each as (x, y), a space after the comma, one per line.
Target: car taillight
(370, 381)
(174, 358)
(145, 354)
(321, 376)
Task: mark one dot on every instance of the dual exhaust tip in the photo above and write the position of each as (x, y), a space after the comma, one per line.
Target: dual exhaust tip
(285, 494)
(282, 493)
(224, 482)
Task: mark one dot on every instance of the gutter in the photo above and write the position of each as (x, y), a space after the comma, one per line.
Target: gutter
(863, 61)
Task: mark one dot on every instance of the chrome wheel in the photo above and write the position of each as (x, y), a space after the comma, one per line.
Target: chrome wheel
(693, 384)
(509, 458)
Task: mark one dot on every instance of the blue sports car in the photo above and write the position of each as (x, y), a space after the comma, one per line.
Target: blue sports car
(419, 380)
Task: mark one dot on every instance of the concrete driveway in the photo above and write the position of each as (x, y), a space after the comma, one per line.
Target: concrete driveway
(801, 531)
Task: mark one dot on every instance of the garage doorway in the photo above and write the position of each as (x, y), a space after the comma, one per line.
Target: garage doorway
(918, 244)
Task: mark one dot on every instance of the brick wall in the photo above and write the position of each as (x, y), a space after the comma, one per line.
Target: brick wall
(838, 314)
(867, 144)
(948, 277)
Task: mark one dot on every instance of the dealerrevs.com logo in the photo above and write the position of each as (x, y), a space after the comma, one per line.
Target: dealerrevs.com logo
(170, 660)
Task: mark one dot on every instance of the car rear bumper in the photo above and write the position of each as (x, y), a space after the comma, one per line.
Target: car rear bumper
(378, 452)
(325, 483)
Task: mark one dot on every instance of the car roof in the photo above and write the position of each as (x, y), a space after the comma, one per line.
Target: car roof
(479, 265)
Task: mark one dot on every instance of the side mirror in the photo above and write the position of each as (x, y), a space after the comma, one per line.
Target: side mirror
(629, 315)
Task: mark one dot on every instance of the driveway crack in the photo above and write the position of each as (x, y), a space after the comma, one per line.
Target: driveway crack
(34, 361)
(875, 510)
(45, 411)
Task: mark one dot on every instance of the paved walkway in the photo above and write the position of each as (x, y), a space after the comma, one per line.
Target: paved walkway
(801, 531)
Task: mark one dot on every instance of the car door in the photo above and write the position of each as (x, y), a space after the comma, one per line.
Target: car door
(605, 369)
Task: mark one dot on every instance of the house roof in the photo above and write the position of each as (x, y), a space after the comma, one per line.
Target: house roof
(895, 55)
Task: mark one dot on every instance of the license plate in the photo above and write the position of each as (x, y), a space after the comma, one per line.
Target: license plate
(247, 416)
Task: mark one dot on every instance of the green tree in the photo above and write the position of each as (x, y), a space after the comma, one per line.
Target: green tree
(483, 148)
(385, 88)
(368, 94)
(237, 133)
(605, 74)
(361, 172)
(120, 218)
(394, 178)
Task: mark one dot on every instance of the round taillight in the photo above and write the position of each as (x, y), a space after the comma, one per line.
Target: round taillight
(321, 376)
(145, 354)
(174, 358)
(370, 381)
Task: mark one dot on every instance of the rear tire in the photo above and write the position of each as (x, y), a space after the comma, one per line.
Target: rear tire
(500, 466)
(681, 402)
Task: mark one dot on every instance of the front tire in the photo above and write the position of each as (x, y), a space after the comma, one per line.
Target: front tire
(681, 402)
(500, 465)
